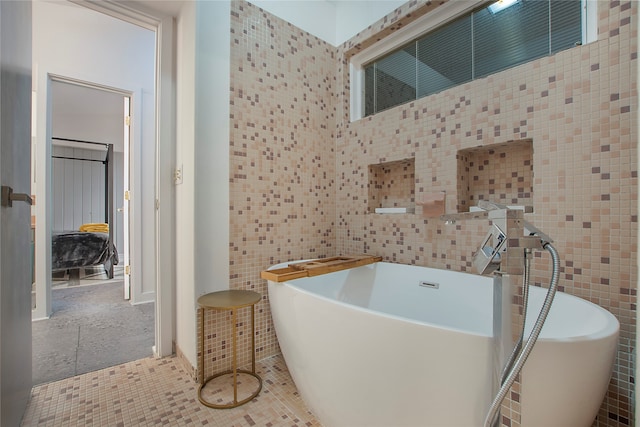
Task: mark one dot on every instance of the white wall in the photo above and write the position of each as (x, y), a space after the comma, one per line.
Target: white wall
(77, 43)
(202, 199)
(333, 21)
(354, 16)
(317, 17)
(185, 192)
(88, 114)
(211, 149)
(78, 187)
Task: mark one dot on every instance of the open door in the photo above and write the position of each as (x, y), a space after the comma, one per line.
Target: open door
(126, 198)
(15, 212)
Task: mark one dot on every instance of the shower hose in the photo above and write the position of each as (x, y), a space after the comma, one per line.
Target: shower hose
(515, 364)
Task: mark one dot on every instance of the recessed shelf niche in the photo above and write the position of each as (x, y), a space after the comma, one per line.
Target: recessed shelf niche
(392, 185)
(501, 173)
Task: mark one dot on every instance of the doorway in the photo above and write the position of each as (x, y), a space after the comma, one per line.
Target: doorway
(106, 67)
(94, 53)
(90, 176)
(73, 39)
(89, 180)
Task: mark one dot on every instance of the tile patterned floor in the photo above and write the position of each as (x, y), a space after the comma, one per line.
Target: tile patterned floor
(158, 392)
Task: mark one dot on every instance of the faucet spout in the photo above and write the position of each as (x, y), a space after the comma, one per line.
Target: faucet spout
(485, 205)
(509, 233)
(463, 216)
(529, 229)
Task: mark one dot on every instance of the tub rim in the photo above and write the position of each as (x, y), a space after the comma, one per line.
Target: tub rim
(609, 328)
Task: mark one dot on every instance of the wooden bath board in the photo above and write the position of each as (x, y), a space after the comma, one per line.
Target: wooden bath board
(317, 267)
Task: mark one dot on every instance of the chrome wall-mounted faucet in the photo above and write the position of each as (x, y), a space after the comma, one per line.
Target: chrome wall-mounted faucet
(509, 235)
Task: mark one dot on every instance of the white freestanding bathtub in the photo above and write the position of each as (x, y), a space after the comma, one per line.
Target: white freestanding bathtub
(371, 347)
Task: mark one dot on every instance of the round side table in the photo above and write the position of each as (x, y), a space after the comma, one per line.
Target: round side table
(229, 300)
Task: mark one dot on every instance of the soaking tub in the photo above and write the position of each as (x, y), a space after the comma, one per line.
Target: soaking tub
(399, 345)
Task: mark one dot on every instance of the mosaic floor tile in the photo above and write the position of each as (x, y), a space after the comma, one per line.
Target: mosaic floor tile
(152, 392)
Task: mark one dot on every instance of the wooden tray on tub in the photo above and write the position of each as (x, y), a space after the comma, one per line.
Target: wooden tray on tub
(317, 267)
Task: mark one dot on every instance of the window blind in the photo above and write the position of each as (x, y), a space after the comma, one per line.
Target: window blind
(476, 45)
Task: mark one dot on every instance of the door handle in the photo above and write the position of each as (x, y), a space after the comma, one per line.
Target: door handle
(8, 197)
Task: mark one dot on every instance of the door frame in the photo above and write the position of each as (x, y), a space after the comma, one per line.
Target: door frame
(165, 154)
(127, 182)
(163, 26)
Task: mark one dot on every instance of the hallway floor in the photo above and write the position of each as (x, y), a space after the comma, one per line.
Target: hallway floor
(152, 392)
(92, 327)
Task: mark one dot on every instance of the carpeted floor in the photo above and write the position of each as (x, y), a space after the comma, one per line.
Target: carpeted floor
(92, 327)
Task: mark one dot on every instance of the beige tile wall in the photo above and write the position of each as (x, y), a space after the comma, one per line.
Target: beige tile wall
(299, 169)
(282, 162)
(501, 173)
(579, 109)
(391, 185)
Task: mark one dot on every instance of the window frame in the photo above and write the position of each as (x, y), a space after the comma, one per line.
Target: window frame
(439, 17)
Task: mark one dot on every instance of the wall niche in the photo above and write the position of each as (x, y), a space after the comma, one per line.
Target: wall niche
(392, 187)
(501, 173)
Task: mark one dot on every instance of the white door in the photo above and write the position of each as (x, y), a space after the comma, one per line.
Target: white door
(15, 220)
(125, 202)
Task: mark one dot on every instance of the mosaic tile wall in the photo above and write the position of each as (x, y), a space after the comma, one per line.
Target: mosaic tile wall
(282, 164)
(391, 185)
(579, 109)
(502, 173)
(299, 169)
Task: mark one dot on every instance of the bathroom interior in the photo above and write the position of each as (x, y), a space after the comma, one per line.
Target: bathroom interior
(556, 134)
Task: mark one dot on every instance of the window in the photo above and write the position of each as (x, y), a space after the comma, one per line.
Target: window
(475, 44)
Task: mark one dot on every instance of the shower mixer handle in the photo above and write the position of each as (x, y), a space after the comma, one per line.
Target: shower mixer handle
(511, 236)
(487, 259)
(502, 247)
